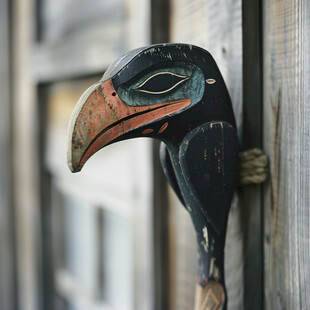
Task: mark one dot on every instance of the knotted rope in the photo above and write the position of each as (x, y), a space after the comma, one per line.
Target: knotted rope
(253, 167)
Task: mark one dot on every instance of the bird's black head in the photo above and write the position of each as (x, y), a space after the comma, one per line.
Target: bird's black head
(161, 91)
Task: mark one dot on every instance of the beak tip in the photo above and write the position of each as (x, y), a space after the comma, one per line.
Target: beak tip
(74, 168)
(73, 158)
(74, 155)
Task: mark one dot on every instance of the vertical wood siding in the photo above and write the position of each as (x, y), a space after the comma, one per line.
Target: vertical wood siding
(24, 157)
(287, 140)
(215, 25)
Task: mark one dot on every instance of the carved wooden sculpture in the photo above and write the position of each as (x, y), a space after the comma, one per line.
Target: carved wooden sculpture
(174, 93)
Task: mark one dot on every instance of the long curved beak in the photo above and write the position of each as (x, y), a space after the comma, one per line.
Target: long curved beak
(100, 117)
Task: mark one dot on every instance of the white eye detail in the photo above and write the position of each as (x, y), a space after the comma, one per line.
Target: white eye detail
(211, 81)
(161, 82)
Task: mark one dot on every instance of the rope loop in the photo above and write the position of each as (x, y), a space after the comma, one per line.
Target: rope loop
(253, 167)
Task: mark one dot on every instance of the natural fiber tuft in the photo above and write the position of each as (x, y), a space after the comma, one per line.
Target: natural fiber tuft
(253, 167)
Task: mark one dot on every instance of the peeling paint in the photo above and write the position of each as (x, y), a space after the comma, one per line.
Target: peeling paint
(205, 246)
(221, 123)
(205, 235)
(189, 208)
(211, 266)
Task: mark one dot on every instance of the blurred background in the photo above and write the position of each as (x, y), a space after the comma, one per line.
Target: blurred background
(113, 236)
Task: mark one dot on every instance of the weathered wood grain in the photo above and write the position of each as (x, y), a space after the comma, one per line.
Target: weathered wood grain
(286, 139)
(217, 27)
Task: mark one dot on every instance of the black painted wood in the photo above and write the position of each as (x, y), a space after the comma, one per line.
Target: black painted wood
(205, 167)
(167, 167)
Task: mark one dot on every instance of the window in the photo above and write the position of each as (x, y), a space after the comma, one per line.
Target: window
(100, 218)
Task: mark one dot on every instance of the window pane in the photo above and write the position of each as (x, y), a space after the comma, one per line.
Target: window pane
(118, 278)
(81, 247)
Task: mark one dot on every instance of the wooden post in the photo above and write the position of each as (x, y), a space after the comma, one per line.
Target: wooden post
(251, 196)
(286, 140)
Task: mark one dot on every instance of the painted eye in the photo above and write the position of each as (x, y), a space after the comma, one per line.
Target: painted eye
(161, 82)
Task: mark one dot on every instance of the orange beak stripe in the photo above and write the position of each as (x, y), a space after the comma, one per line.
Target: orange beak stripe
(101, 116)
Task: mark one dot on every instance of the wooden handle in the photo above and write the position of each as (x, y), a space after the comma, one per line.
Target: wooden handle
(210, 287)
(209, 164)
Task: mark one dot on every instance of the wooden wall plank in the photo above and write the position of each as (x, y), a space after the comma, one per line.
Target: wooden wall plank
(286, 139)
(215, 25)
(7, 235)
(24, 157)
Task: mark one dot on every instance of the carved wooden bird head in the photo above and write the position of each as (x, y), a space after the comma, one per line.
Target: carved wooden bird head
(161, 91)
(174, 93)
